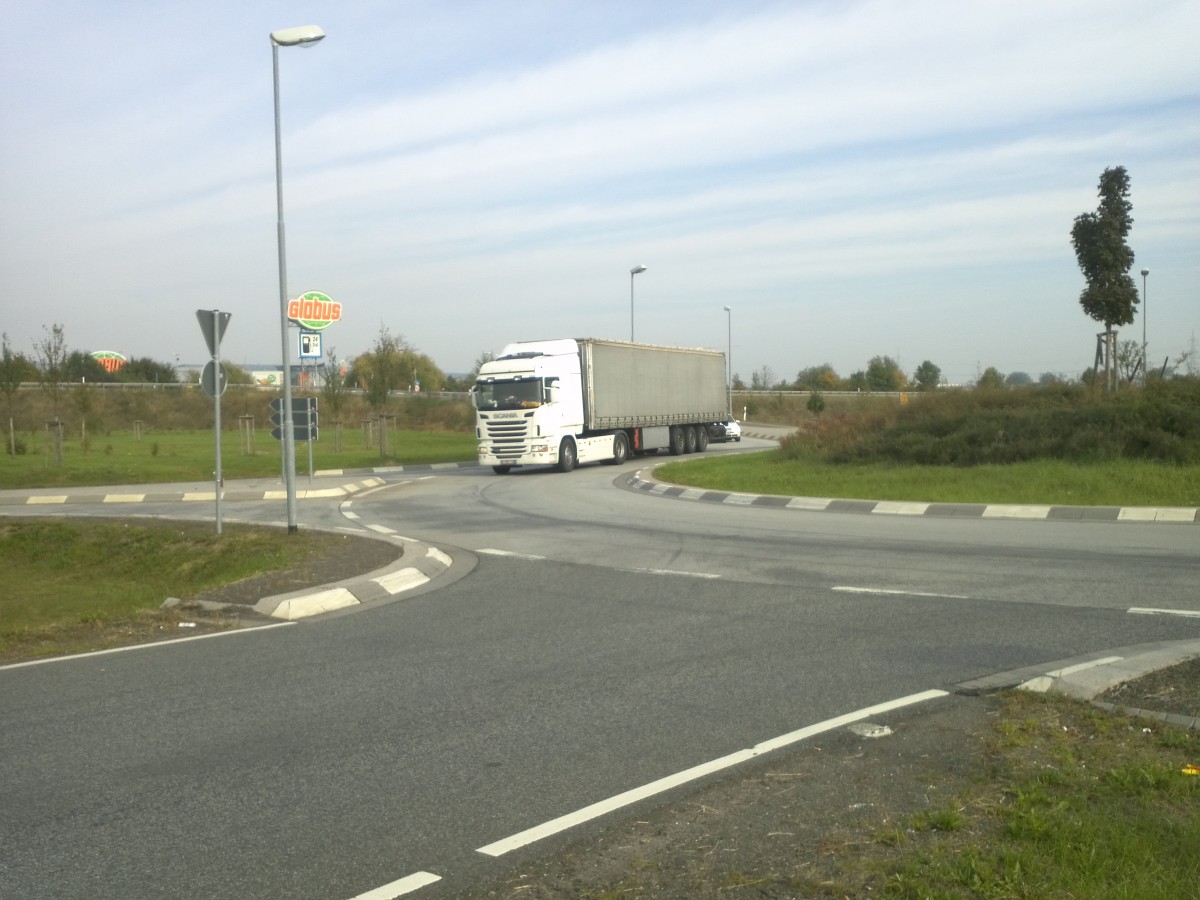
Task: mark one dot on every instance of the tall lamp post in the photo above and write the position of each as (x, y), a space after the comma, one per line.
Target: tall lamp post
(301, 36)
(729, 357)
(1145, 360)
(636, 270)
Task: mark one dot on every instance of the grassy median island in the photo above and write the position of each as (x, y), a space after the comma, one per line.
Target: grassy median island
(83, 584)
(1062, 445)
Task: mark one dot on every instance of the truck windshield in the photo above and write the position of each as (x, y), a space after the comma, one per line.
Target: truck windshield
(508, 394)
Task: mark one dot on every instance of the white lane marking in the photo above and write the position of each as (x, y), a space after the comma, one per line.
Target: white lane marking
(149, 646)
(349, 515)
(124, 498)
(382, 529)
(201, 496)
(674, 572)
(399, 888)
(33, 501)
(493, 552)
(888, 592)
(587, 813)
(1148, 611)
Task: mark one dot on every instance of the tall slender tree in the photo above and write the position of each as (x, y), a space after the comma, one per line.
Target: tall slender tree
(1109, 294)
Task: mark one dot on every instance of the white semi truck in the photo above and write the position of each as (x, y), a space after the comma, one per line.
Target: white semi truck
(571, 401)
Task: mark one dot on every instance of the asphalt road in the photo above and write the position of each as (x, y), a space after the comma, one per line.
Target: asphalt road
(604, 639)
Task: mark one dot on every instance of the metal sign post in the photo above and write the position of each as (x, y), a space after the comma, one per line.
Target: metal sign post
(213, 380)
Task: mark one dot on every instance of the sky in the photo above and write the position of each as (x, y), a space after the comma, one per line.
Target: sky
(852, 179)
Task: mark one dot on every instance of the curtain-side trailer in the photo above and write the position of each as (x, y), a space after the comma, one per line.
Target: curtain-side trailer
(570, 401)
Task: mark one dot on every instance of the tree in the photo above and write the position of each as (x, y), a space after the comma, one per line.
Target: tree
(144, 370)
(14, 369)
(382, 369)
(1128, 360)
(883, 374)
(334, 392)
(52, 368)
(1018, 379)
(927, 376)
(817, 378)
(762, 379)
(1109, 295)
(991, 378)
(83, 368)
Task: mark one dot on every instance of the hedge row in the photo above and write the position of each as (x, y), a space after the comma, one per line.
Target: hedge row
(964, 428)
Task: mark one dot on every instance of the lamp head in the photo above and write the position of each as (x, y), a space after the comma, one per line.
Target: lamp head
(637, 270)
(1145, 272)
(300, 36)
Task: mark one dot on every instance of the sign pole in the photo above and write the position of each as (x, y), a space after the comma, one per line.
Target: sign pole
(218, 480)
(312, 434)
(212, 380)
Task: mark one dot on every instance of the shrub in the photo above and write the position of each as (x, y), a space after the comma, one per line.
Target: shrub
(1160, 423)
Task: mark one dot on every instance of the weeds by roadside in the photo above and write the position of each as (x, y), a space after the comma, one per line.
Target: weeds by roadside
(1021, 795)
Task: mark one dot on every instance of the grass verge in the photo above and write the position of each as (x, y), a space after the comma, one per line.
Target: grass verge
(119, 457)
(1049, 482)
(1072, 802)
(72, 582)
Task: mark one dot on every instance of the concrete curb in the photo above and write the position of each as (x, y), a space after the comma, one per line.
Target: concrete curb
(178, 494)
(1087, 677)
(419, 565)
(643, 480)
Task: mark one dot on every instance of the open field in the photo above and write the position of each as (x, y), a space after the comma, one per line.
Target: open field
(124, 457)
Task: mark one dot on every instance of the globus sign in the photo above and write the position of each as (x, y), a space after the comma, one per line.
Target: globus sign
(313, 310)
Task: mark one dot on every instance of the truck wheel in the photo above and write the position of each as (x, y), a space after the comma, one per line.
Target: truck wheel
(567, 457)
(678, 441)
(501, 470)
(620, 449)
(689, 436)
(701, 438)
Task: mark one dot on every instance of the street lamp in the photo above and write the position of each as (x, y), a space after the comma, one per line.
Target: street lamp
(729, 356)
(301, 36)
(1145, 361)
(636, 270)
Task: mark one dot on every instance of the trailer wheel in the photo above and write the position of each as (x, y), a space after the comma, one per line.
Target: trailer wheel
(701, 438)
(501, 470)
(567, 457)
(689, 436)
(678, 441)
(620, 449)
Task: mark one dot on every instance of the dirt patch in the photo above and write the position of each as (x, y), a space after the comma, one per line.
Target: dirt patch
(1175, 689)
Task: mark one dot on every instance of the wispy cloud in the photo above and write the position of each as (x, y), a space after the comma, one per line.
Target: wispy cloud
(469, 177)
